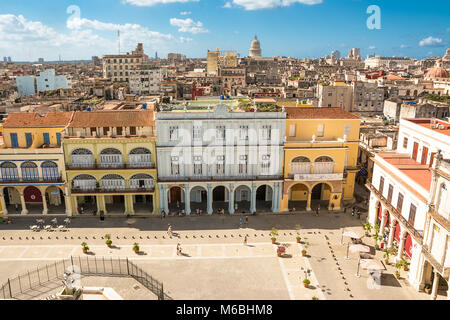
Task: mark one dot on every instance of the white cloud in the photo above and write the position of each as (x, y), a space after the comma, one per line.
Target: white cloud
(430, 42)
(188, 25)
(372, 47)
(185, 13)
(403, 46)
(185, 40)
(149, 3)
(270, 4)
(227, 5)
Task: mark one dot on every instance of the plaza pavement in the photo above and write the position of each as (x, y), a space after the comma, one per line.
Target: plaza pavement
(216, 264)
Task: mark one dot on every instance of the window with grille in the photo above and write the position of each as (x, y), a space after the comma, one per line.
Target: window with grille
(265, 164)
(405, 142)
(267, 132)
(400, 202)
(243, 164)
(292, 130)
(347, 129)
(220, 133)
(173, 133)
(320, 130)
(412, 214)
(175, 166)
(197, 133)
(381, 185)
(197, 165)
(243, 133)
(220, 166)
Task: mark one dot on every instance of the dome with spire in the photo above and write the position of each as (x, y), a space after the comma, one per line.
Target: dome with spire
(437, 72)
(255, 48)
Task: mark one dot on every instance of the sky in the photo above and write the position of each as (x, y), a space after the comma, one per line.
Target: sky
(80, 29)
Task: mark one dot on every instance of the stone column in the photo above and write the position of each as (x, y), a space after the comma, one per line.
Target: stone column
(3, 203)
(434, 288)
(187, 199)
(166, 199)
(401, 245)
(99, 204)
(274, 194)
(68, 205)
(383, 222)
(391, 234)
(231, 199)
(44, 204)
(24, 206)
(308, 202)
(210, 200)
(253, 200)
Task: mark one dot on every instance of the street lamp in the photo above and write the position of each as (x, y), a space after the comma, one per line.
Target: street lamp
(357, 271)
(347, 251)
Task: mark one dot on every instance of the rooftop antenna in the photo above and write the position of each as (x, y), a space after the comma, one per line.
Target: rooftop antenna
(118, 36)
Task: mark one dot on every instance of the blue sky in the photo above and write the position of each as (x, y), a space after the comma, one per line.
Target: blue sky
(31, 29)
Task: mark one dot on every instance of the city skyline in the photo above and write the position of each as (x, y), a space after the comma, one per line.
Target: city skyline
(78, 30)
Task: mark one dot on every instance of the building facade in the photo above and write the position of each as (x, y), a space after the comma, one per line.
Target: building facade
(220, 159)
(117, 67)
(33, 179)
(403, 198)
(111, 162)
(320, 155)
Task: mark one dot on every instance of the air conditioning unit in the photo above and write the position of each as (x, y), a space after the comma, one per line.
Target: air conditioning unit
(441, 126)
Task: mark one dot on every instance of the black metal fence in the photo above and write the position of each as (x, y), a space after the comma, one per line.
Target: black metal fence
(88, 266)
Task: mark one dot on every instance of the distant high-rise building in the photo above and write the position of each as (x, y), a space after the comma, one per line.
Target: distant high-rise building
(41, 60)
(5, 59)
(255, 49)
(9, 59)
(156, 55)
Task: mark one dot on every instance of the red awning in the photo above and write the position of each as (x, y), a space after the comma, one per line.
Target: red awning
(397, 232)
(408, 246)
(380, 210)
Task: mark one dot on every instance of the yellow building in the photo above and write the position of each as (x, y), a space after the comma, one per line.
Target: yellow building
(320, 158)
(32, 164)
(111, 162)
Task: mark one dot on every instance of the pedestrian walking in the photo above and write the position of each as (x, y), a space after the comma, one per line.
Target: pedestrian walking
(17, 208)
(246, 221)
(245, 241)
(178, 249)
(317, 210)
(241, 221)
(358, 213)
(102, 216)
(178, 204)
(169, 230)
(353, 211)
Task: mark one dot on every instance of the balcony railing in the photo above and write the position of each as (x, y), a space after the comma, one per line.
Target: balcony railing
(113, 190)
(438, 266)
(416, 234)
(218, 178)
(318, 177)
(32, 180)
(100, 166)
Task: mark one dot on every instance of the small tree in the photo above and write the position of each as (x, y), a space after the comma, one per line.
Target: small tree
(136, 247)
(274, 232)
(108, 240)
(84, 247)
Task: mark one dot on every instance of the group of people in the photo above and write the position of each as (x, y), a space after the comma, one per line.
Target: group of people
(356, 211)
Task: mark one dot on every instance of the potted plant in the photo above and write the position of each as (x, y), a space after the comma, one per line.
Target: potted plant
(273, 233)
(281, 250)
(367, 227)
(404, 263)
(85, 247)
(304, 253)
(298, 239)
(427, 288)
(108, 240)
(397, 272)
(136, 248)
(306, 283)
(386, 256)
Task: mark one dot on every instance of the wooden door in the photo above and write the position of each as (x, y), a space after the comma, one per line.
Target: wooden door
(175, 195)
(423, 160)
(432, 158)
(415, 149)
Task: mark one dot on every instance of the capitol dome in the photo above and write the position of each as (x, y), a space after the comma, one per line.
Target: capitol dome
(255, 48)
(438, 71)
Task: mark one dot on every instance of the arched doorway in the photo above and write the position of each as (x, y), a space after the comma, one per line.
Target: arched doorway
(55, 200)
(320, 195)
(12, 200)
(175, 198)
(110, 158)
(298, 197)
(33, 200)
(199, 199)
(264, 196)
(242, 199)
(140, 158)
(220, 198)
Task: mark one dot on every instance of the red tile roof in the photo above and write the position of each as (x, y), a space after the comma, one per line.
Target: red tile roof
(126, 118)
(25, 119)
(319, 113)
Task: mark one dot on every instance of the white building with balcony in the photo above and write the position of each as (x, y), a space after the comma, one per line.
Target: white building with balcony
(409, 200)
(220, 158)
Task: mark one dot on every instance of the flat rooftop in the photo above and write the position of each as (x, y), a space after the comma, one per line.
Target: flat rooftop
(434, 125)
